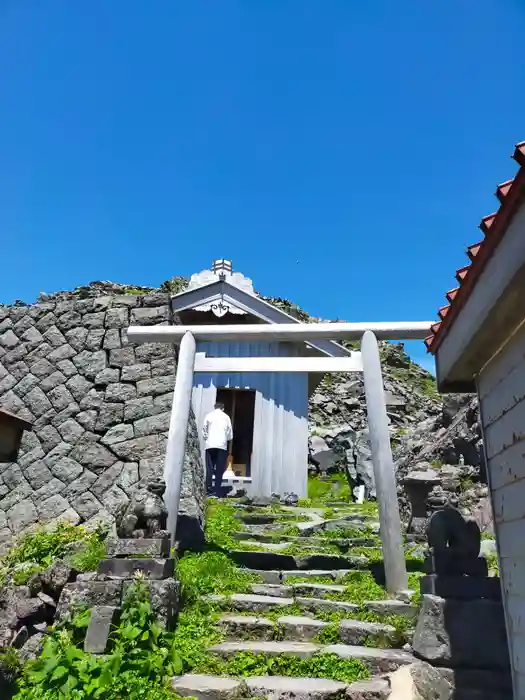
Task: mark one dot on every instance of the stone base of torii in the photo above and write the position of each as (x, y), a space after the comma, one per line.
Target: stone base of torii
(367, 361)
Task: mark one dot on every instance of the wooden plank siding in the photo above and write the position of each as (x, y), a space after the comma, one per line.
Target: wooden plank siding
(501, 389)
(280, 440)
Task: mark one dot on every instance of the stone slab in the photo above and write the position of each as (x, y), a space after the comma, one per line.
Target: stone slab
(284, 688)
(300, 628)
(241, 626)
(126, 568)
(300, 649)
(205, 687)
(377, 660)
(273, 589)
(375, 689)
(263, 560)
(136, 547)
(89, 594)
(317, 604)
(461, 633)
(461, 587)
(359, 632)
(392, 607)
(103, 617)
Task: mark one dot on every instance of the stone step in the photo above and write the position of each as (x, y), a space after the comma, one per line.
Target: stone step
(377, 660)
(303, 629)
(310, 542)
(300, 649)
(127, 568)
(302, 589)
(316, 605)
(205, 687)
(374, 689)
(237, 627)
(283, 688)
(361, 632)
(133, 547)
(300, 628)
(319, 590)
(273, 589)
(286, 562)
(310, 573)
(392, 607)
(250, 603)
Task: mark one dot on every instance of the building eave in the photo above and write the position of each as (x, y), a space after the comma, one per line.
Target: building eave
(251, 304)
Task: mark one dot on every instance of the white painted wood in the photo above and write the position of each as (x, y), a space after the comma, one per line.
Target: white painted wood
(513, 580)
(505, 432)
(510, 357)
(178, 430)
(507, 466)
(280, 445)
(509, 501)
(507, 260)
(307, 332)
(502, 409)
(323, 365)
(384, 475)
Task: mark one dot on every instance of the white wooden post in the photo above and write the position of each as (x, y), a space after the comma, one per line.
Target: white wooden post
(178, 430)
(385, 480)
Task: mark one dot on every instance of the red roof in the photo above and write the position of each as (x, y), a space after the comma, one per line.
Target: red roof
(511, 195)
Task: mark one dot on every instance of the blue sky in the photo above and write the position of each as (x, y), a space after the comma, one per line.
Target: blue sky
(341, 153)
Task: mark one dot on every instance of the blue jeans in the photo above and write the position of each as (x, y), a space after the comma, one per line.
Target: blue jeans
(216, 460)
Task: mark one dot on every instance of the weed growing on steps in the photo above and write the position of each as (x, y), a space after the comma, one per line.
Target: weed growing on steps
(320, 665)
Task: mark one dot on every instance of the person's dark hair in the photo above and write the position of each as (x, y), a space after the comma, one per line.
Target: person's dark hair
(220, 405)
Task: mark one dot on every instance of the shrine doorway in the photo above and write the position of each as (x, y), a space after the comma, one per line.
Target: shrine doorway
(239, 404)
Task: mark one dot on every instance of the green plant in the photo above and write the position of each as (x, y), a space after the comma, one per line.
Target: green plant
(211, 572)
(38, 550)
(317, 666)
(142, 657)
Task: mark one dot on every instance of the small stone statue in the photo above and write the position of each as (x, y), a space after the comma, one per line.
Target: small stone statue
(146, 515)
(454, 545)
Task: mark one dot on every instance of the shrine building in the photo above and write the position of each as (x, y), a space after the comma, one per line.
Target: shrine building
(268, 409)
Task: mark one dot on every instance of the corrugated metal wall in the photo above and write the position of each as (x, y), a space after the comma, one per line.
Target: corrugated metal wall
(280, 440)
(501, 388)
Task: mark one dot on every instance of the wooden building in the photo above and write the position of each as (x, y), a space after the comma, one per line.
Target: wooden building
(269, 410)
(479, 345)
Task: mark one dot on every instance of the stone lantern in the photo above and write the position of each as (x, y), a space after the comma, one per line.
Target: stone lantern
(11, 429)
(418, 485)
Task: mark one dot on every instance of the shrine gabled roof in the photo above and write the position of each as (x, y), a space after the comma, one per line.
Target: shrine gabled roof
(511, 195)
(220, 291)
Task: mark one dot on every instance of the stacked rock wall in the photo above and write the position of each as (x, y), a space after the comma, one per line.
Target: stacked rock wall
(100, 410)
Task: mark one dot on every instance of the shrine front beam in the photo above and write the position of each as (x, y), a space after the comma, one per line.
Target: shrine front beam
(402, 330)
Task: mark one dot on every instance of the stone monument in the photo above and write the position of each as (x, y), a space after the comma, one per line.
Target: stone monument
(461, 626)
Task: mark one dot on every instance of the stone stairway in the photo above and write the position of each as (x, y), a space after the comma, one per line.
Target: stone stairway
(285, 617)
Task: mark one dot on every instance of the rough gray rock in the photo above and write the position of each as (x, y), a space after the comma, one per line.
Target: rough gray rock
(66, 367)
(461, 633)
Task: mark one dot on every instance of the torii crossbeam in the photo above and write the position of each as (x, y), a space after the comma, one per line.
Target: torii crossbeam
(367, 361)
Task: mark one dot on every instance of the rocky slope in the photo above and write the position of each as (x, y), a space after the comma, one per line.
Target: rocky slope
(428, 431)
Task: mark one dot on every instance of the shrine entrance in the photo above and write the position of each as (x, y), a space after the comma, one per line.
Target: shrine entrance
(239, 404)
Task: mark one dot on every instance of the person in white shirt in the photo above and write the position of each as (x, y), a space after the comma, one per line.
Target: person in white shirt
(217, 432)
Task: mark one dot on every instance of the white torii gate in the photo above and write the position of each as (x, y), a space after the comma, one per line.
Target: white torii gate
(367, 361)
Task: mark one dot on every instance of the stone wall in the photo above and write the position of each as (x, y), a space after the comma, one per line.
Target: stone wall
(100, 410)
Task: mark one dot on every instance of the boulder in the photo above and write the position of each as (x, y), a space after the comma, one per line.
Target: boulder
(419, 681)
(461, 633)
